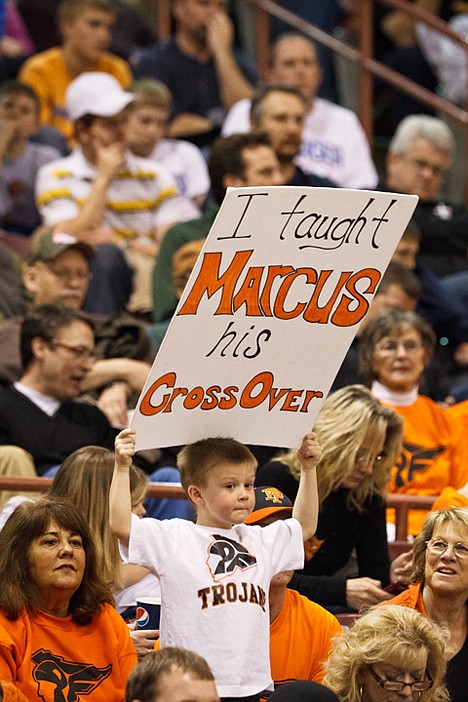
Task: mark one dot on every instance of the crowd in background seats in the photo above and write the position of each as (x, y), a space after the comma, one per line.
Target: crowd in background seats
(116, 152)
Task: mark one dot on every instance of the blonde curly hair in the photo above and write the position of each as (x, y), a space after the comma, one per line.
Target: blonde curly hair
(386, 633)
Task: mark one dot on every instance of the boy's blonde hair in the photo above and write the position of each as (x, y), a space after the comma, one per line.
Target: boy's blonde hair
(150, 93)
(196, 460)
(68, 10)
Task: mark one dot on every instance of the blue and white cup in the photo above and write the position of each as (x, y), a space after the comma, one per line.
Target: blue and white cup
(148, 612)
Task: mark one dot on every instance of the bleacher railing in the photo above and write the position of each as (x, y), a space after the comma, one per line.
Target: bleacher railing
(361, 55)
(401, 503)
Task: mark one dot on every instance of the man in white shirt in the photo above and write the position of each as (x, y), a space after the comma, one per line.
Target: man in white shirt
(334, 144)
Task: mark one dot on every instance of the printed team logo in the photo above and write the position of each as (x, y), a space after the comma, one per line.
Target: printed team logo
(65, 681)
(225, 555)
(414, 459)
(274, 495)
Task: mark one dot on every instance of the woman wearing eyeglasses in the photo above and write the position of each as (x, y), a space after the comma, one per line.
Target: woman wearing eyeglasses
(395, 347)
(440, 588)
(360, 442)
(390, 654)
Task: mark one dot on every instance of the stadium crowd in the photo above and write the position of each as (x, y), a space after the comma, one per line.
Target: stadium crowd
(277, 573)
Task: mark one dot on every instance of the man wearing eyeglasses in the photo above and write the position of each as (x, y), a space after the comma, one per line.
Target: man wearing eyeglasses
(39, 413)
(58, 273)
(418, 162)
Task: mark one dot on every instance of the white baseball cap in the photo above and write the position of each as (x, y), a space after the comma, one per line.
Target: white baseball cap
(96, 93)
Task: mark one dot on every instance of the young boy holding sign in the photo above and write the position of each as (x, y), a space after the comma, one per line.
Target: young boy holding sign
(215, 574)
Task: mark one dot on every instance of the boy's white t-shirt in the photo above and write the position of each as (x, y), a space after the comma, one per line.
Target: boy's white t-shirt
(214, 591)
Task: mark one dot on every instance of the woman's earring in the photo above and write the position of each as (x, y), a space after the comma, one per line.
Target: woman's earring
(361, 690)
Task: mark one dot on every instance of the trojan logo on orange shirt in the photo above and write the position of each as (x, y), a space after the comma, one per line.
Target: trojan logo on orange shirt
(65, 681)
(414, 459)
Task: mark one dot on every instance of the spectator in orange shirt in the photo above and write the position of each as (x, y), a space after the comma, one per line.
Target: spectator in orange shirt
(86, 28)
(57, 624)
(300, 630)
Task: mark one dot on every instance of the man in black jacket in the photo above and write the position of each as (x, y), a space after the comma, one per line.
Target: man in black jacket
(39, 413)
(418, 160)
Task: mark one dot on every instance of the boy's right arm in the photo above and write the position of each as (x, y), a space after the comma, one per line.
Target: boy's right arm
(120, 499)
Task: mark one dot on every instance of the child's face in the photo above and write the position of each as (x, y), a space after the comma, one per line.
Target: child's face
(146, 127)
(102, 133)
(88, 34)
(138, 507)
(228, 496)
(21, 109)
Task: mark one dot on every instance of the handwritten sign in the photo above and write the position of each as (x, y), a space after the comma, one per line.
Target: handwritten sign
(279, 290)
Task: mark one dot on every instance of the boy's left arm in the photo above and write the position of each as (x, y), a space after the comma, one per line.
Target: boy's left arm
(306, 505)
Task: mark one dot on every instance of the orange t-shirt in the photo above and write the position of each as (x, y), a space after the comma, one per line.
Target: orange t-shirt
(10, 693)
(412, 598)
(300, 639)
(434, 455)
(42, 654)
(449, 497)
(459, 413)
(47, 73)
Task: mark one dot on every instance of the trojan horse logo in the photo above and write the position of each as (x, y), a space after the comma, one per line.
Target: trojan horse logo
(65, 681)
(414, 459)
(225, 555)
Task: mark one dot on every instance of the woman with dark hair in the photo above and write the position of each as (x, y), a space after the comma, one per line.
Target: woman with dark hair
(395, 348)
(84, 479)
(58, 629)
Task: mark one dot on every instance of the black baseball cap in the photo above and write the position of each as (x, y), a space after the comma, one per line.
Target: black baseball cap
(268, 500)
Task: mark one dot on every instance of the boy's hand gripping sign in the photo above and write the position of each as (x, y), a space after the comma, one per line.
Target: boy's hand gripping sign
(279, 290)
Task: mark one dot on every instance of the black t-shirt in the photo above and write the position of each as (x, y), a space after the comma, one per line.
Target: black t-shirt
(456, 675)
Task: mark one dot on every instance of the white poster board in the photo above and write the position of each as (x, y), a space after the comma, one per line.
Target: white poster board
(279, 290)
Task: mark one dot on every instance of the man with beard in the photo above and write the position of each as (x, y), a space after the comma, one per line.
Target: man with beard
(279, 111)
(200, 68)
(334, 144)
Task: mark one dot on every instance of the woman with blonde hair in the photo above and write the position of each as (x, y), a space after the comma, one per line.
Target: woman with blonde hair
(84, 479)
(390, 653)
(440, 587)
(360, 442)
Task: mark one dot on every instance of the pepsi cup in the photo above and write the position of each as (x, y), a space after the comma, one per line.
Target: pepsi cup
(148, 612)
